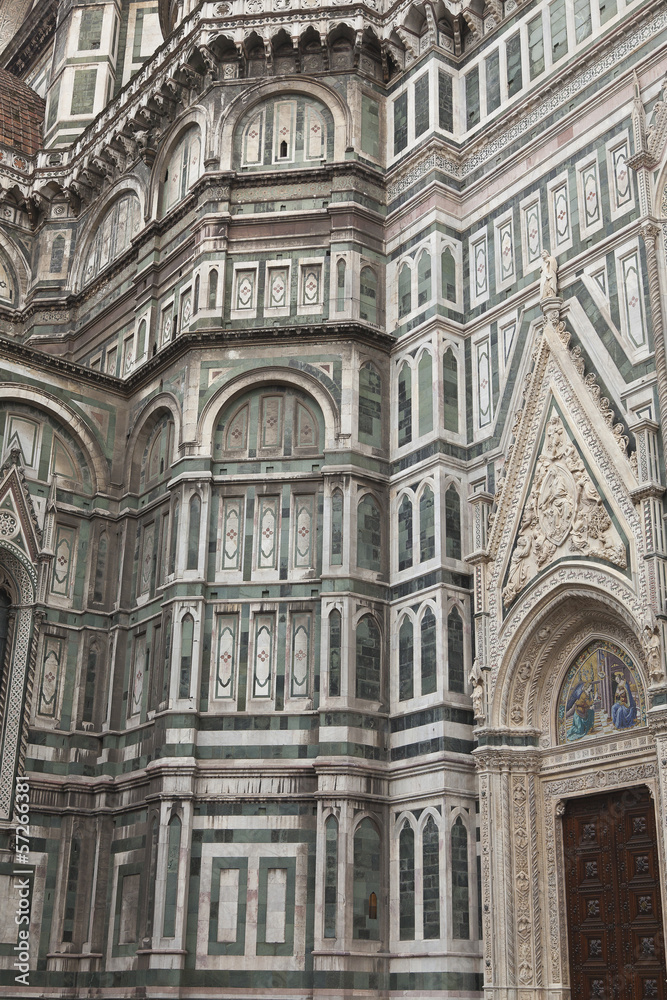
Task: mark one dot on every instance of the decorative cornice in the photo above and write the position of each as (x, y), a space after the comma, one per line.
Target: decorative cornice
(553, 95)
(31, 39)
(167, 77)
(12, 350)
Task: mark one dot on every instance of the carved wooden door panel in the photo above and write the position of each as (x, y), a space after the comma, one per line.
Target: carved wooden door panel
(614, 910)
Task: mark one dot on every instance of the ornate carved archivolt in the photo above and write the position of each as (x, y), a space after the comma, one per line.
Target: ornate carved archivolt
(539, 664)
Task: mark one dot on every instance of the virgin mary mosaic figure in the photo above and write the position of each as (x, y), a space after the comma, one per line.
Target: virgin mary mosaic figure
(624, 710)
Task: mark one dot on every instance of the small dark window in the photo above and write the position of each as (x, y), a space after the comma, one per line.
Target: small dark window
(283, 149)
(212, 288)
(372, 907)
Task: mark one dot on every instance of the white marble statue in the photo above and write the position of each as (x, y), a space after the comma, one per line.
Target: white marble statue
(549, 276)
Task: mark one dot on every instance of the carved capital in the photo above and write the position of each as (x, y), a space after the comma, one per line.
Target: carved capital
(551, 307)
(642, 161)
(656, 718)
(650, 233)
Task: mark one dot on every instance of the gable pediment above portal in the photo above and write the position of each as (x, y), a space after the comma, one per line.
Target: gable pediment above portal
(566, 498)
(18, 520)
(564, 515)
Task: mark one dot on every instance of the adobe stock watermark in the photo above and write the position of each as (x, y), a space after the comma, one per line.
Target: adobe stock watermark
(22, 880)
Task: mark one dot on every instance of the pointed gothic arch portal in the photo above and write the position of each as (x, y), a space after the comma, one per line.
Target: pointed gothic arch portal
(572, 698)
(20, 625)
(20, 545)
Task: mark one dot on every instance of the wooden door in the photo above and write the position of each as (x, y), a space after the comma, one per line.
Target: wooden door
(614, 911)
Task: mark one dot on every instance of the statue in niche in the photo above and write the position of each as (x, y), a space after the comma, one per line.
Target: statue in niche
(549, 276)
(477, 681)
(653, 648)
(602, 695)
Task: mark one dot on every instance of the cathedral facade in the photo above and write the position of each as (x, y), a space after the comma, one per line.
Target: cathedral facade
(333, 567)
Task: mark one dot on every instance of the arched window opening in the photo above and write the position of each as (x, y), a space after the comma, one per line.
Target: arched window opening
(282, 422)
(187, 639)
(425, 383)
(404, 405)
(369, 536)
(195, 297)
(455, 670)
(171, 881)
(431, 879)
(337, 528)
(294, 129)
(152, 878)
(406, 882)
(113, 234)
(236, 438)
(57, 256)
(100, 568)
(174, 537)
(448, 268)
(157, 456)
(368, 290)
(426, 525)
(194, 523)
(424, 279)
(7, 282)
(340, 285)
(405, 533)
(368, 659)
(71, 889)
(365, 922)
(90, 684)
(5, 604)
(212, 288)
(453, 523)
(450, 389)
(406, 660)
(182, 170)
(141, 340)
(428, 653)
(460, 903)
(404, 291)
(370, 406)
(166, 666)
(330, 876)
(335, 648)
